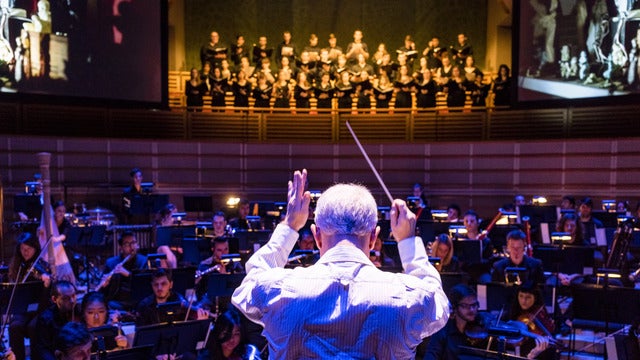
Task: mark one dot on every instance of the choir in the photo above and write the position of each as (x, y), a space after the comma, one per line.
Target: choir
(384, 79)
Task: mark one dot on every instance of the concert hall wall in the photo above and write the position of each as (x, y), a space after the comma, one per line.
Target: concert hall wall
(385, 21)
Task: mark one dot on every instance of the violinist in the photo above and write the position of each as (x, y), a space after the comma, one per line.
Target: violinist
(95, 314)
(116, 283)
(529, 309)
(516, 247)
(162, 284)
(466, 326)
(26, 252)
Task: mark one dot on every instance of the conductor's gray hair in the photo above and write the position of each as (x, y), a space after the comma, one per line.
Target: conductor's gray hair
(346, 209)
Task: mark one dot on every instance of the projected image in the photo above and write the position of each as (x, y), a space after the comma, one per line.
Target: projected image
(572, 49)
(108, 49)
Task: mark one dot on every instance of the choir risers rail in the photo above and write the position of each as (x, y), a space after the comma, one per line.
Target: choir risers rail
(291, 125)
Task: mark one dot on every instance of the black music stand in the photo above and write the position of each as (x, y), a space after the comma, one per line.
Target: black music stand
(468, 251)
(138, 352)
(103, 337)
(194, 250)
(26, 298)
(252, 240)
(426, 230)
(28, 204)
(175, 338)
(451, 279)
(223, 285)
(498, 295)
(85, 237)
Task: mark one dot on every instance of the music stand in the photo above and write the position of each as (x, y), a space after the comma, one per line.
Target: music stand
(175, 338)
(451, 279)
(220, 285)
(85, 237)
(468, 251)
(252, 240)
(107, 334)
(194, 250)
(515, 275)
(28, 204)
(425, 229)
(138, 352)
(495, 296)
(26, 298)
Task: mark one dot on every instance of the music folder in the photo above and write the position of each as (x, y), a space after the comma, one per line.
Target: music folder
(174, 338)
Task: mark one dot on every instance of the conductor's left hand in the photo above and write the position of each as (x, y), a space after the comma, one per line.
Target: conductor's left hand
(298, 201)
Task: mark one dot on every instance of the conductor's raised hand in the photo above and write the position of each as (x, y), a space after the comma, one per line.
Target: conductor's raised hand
(298, 200)
(403, 221)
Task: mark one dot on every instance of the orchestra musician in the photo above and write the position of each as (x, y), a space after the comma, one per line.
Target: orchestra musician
(516, 246)
(240, 222)
(589, 223)
(95, 313)
(73, 342)
(148, 312)
(116, 283)
(464, 328)
(529, 309)
(51, 320)
(220, 247)
(130, 193)
(443, 248)
(26, 252)
(229, 339)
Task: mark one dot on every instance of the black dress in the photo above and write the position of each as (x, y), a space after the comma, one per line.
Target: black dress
(383, 96)
(241, 94)
(343, 93)
(218, 90)
(194, 93)
(456, 93)
(478, 94)
(262, 96)
(403, 96)
(502, 91)
(302, 94)
(282, 95)
(426, 94)
(363, 93)
(324, 94)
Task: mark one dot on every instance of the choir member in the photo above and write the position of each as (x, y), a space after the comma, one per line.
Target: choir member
(286, 48)
(281, 91)
(261, 51)
(194, 90)
(302, 91)
(334, 50)
(262, 92)
(344, 91)
(239, 50)
(324, 91)
(357, 47)
(426, 90)
(383, 92)
(241, 89)
(404, 85)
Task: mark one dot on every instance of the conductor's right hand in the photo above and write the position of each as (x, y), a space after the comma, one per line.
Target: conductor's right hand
(298, 201)
(403, 221)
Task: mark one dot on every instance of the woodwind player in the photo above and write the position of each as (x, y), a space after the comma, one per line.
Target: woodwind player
(117, 288)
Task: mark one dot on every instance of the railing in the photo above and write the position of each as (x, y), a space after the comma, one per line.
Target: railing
(304, 125)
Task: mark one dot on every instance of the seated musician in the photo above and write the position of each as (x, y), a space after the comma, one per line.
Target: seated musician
(453, 213)
(95, 313)
(229, 341)
(516, 245)
(26, 252)
(589, 223)
(116, 283)
(569, 223)
(162, 284)
(464, 327)
(73, 342)
(164, 217)
(423, 212)
(128, 196)
(443, 248)
(219, 224)
(378, 256)
(214, 263)
(471, 224)
(307, 244)
(241, 223)
(530, 310)
(51, 320)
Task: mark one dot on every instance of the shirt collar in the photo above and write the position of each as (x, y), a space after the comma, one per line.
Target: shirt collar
(345, 253)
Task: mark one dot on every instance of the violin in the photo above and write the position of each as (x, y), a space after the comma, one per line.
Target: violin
(541, 324)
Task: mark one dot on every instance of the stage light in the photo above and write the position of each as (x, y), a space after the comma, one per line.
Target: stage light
(539, 200)
(232, 201)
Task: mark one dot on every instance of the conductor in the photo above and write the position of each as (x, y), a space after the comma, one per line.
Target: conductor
(343, 306)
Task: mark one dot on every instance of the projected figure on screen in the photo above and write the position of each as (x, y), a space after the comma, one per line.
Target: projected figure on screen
(7, 11)
(544, 28)
(598, 29)
(42, 19)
